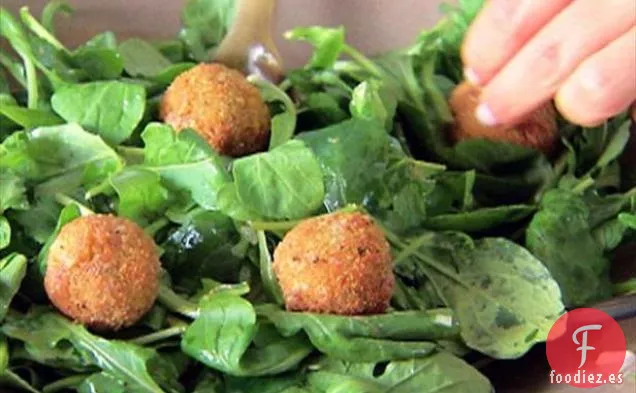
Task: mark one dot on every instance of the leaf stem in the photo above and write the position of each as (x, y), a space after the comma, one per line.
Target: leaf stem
(412, 250)
(273, 226)
(583, 185)
(39, 30)
(285, 85)
(363, 61)
(435, 265)
(32, 83)
(559, 168)
(102, 188)
(268, 277)
(14, 68)
(178, 304)
(66, 200)
(15, 380)
(132, 155)
(626, 287)
(156, 226)
(160, 335)
(65, 383)
(276, 226)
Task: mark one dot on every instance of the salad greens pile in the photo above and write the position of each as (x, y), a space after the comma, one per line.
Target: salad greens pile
(491, 241)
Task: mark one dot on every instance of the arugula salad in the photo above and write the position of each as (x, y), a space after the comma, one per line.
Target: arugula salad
(144, 249)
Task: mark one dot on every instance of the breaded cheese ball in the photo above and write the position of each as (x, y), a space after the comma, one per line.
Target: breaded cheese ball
(538, 131)
(222, 106)
(103, 271)
(338, 263)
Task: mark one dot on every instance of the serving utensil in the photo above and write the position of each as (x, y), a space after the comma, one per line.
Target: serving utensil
(249, 46)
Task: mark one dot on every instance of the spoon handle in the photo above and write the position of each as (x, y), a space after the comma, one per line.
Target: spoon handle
(251, 28)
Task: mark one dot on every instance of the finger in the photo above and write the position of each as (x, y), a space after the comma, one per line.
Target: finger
(533, 76)
(603, 85)
(500, 30)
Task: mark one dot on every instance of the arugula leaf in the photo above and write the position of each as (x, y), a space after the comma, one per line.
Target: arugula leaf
(441, 372)
(141, 59)
(5, 233)
(45, 341)
(40, 31)
(185, 162)
(15, 34)
(51, 10)
(485, 154)
(267, 271)
(444, 40)
(284, 123)
(67, 214)
(371, 100)
(30, 118)
(418, 294)
(321, 94)
(328, 43)
(603, 208)
(628, 220)
(120, 360)
(561, 237)
(12, 192)
(4, 355)
(221, 338)
(202, 248)
(353, 156)
(321, 109)
(110, 109)
(420, 190)
(625, 288)
(504, 298)
(615, 146)
(286, 383)
(101, 383)
(390, 336)
(205, 23)
(39, 220)
(411, 193)
(589, 144)
(50, 55)
(58, 158)
(480, 219)
(9, 378)
(284, 183)
(172, 49)
(15, 69)
(100, 57)
(165, 77)
(12, 271)
(610, 234)
(141, 196)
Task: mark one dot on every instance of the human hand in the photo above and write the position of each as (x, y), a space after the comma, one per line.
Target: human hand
(581, 53)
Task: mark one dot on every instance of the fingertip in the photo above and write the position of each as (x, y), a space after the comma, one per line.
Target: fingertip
(471, 76)
(485, 115)
(573, 113)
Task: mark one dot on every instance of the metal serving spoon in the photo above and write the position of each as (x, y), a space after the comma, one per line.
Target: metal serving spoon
(249, 46)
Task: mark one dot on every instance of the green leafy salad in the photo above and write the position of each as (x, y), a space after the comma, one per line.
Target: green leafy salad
(491, 241)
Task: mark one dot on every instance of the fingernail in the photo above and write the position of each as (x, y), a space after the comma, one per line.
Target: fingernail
(485, 116)
(471, 76)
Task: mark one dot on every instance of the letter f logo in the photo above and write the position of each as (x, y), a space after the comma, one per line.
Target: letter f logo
(583, 344)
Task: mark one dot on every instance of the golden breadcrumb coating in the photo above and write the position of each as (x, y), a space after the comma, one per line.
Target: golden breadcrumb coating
(103, 271)
(337, 263)
(221, 105)
(538, 131)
